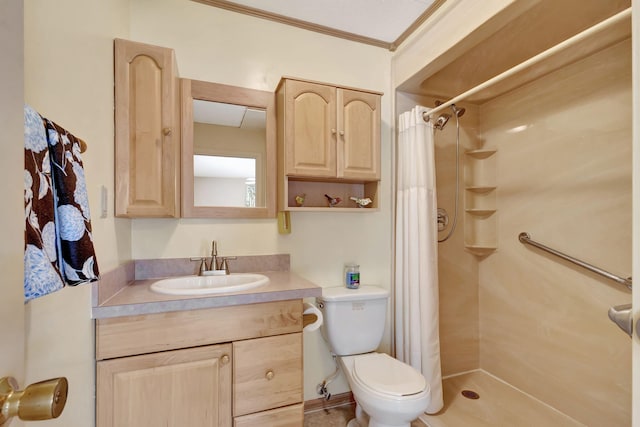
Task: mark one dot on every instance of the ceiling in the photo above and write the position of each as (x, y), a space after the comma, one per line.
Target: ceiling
(383, 23)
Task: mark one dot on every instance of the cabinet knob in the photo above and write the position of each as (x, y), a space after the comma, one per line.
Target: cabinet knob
(341, 133)
(269, 375)
(166, 131)
(333, 131)
(224, 359)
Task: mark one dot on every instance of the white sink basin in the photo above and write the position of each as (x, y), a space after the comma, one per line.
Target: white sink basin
(204, 285)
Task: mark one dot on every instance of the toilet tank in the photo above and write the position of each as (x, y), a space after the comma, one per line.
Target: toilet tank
(354, 319)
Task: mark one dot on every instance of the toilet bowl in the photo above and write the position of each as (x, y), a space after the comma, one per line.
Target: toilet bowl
(389, 392)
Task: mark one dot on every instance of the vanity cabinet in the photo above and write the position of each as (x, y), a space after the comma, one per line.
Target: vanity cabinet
(328, 143)
(147, 131)
(237, 365)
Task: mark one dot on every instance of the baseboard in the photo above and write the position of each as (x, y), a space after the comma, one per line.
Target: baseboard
(335, 401)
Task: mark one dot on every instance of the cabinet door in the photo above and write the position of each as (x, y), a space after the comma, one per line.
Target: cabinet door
(359, 135)
(147, 131)
(178, 388)
(310, 129)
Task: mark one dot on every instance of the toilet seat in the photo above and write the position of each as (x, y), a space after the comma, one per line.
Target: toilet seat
(386, 375)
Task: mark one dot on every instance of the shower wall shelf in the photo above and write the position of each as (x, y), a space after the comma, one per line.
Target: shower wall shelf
(480, 221)
(480, 212)
(481, 154)
(480, 189)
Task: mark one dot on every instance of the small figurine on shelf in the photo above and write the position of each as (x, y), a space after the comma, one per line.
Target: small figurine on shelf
(361, 202)
(300, 199)
(333, 200)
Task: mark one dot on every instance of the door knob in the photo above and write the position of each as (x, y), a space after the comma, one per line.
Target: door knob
(39, 401)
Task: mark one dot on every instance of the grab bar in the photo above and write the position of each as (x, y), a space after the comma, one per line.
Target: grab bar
(525, 238)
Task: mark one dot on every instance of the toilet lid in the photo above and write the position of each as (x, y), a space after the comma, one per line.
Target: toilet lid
(387, 375)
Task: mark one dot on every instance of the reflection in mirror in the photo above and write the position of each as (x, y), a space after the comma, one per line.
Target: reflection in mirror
(228, 151)
(224, 181)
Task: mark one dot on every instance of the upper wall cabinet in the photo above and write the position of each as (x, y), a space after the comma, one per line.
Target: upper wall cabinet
(147, 131)
(328, 143)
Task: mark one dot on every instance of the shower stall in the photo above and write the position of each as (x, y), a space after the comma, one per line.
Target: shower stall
(524, 335)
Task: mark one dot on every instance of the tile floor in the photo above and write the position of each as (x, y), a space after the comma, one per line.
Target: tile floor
(336, 417)
(499, 405)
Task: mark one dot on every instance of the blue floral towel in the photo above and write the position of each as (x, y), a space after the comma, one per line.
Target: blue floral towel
(58, 242)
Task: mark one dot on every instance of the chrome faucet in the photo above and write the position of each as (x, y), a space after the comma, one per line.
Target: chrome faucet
(213, 264)
(213, 267)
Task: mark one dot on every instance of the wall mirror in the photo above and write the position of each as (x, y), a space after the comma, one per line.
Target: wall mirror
(228, 151)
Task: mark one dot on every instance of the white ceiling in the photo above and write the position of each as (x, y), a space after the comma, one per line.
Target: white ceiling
(379, 20)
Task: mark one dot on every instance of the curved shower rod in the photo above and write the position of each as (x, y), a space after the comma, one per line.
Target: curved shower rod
(525, 238)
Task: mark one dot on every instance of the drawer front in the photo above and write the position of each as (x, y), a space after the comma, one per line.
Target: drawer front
(289, 416)
(267, 373)
(130, 335)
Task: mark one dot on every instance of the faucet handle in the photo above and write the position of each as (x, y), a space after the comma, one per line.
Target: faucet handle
(224, 265)
(202, 267)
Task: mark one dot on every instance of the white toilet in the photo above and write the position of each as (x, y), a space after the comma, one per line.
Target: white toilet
(388, 393)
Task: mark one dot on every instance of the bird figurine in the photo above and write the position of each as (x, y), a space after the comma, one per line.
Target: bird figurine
(332, 200)
(300, 199)
(361, 202)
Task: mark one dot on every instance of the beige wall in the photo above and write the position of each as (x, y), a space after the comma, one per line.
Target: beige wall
(221, 46)
(566, 179)
(69, 79)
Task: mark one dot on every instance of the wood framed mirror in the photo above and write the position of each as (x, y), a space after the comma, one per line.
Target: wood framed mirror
(228, 151)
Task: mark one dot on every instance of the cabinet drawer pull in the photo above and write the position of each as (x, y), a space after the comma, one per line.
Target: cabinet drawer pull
(224, 359)
(166, 131)
(269, 375)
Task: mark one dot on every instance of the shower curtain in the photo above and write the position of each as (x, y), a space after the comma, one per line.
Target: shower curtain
(416, 253)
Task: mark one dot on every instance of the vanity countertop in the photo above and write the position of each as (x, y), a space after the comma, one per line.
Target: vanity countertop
(137, 298)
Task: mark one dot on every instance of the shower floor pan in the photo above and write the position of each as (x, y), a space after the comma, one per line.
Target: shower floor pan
(498, 405)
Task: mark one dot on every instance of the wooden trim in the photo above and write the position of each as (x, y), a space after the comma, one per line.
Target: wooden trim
(305, 25)
(341, 399)
(414, 26)
(246, 10)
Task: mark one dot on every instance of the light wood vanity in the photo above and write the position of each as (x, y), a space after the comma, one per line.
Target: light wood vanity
(235, 360)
